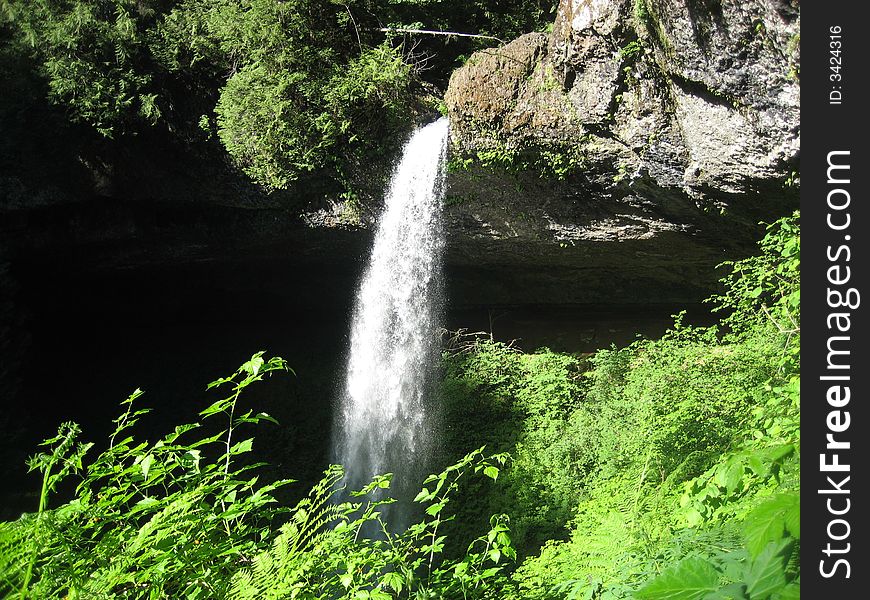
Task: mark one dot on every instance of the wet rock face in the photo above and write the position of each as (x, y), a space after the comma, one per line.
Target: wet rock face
(681, 121)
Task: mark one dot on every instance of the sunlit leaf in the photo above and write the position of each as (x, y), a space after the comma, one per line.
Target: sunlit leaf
(491, 472)
(690, 579)
(766, 573)
(767, 523)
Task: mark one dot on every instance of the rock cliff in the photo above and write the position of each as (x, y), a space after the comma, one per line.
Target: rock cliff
(628, 151)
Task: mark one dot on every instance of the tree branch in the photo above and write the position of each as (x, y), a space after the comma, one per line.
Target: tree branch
(431, 32)
(355, 28)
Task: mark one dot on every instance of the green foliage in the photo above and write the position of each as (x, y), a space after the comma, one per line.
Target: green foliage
(762, 301)
(182, 518)
(766, 288)
(760, 572)
(290, 82)
(66, 456)
(279, 123)
(690, 579)
(304, 90)
(680, 401)
(525, 404)
(776, 518)
(674, 464)
(631, 49)
(664, 451)
(140, 507)
(92, 54)
(715, 495)
(544, 162)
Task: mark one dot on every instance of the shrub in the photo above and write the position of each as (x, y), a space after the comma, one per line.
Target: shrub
(528, 405)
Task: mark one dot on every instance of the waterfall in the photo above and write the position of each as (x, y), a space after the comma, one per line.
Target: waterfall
(383, 425)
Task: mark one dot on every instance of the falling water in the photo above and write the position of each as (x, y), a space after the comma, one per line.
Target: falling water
(383, 424)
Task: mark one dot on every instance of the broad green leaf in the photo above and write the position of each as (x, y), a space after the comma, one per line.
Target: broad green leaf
(219, 382)
(190, 459)
(734, 565)
(266, 417)
(757, 465)
(693, 517)
(215, 408)
(435, 508)
(146, 502)
(690, 579)
(793, 518)
(734, 591)
(180, 429)
(491, 472)
(733, 475)
(767, 523)
(777, 453)
(253, 366)
(208, 440)
(766, 574)
(243, 446)
(394, 581)
(145, 464)
(790, 592)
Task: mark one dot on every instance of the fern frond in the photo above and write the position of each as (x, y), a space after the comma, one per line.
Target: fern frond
(15, 544)
(276, 572)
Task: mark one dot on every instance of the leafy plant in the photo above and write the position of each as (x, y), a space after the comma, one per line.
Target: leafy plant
(140, 507)
(766, 288)
(92, 54)
(697, 438)
(184, 517)
(524, 404)
(673, 465)
(714, 496)
(760, 572)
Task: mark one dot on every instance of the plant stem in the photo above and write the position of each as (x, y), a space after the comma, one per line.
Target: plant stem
(229, 441)
(43, 501)
(230, 432)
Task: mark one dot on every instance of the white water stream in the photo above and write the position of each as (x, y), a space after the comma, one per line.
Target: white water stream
(383, 425)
